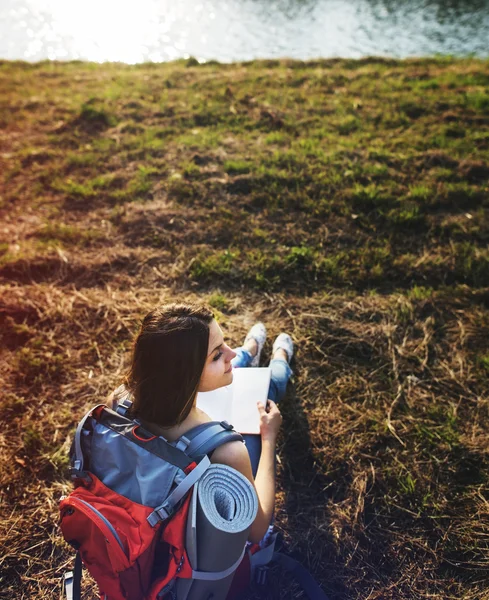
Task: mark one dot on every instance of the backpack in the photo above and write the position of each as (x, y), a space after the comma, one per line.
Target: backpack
(127, 514)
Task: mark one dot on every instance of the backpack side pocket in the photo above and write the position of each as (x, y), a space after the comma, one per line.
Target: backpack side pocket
(94, 536)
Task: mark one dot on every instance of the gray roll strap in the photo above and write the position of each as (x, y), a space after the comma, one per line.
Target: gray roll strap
(165, 510)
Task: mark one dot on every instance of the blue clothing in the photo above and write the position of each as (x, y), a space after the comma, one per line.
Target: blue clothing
(281, 372)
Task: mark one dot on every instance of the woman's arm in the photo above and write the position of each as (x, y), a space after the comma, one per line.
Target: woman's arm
(265, 488)
(234, 454)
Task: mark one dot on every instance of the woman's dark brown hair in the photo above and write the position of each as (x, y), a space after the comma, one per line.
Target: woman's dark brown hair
(168, 359)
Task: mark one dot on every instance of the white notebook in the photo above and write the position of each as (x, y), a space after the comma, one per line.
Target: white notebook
(236, 402)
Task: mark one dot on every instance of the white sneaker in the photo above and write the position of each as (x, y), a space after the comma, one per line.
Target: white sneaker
(259, 333)
(284, 341)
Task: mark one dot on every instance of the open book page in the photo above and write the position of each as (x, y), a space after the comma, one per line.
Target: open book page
(236, 403)
(250, 386)
(217, 404)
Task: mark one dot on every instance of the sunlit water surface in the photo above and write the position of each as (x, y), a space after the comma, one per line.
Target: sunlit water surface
(230, 30)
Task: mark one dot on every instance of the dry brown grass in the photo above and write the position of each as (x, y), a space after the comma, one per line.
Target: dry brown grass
(383, 452)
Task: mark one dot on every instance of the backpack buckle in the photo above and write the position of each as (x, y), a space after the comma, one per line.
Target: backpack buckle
(227, 426)
(77, 474)
(162, 513)
(123, 406)
(261, 575)
(183, 443)
(67, 585)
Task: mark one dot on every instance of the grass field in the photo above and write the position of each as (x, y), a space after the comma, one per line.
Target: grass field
(343, 201)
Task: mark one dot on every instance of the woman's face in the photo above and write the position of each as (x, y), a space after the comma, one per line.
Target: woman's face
(218, 361)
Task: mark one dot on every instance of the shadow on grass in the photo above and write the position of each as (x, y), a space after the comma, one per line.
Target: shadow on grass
(56, 270)
(306, 488)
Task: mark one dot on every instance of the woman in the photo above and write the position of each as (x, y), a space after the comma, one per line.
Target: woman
(179, 351)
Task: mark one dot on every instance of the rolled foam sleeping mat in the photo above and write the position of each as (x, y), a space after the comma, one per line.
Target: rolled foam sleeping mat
(223, 507)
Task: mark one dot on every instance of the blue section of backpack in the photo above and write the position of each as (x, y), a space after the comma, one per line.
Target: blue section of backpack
(129, 469)
(132, 470)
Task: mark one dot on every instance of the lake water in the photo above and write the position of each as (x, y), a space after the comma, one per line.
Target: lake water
(236, 30)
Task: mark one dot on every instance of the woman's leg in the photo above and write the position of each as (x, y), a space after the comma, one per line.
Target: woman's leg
(253, 445)
(242, 359)
(281, 373)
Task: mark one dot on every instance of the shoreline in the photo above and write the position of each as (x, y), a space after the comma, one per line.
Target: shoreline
(284, 60)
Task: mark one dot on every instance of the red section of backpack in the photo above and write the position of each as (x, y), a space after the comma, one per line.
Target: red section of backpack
(117, 544)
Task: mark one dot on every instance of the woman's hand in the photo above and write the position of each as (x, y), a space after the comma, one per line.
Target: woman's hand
(270, 421)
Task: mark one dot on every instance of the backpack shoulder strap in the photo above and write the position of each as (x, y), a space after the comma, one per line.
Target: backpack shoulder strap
(206, 437)
(71, 581)
(77, 459)
(196, 443)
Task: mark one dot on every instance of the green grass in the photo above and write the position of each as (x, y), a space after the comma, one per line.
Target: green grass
(219, 301)
(93, 117)
(235, 167)
(70, 235)
(74, 189)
